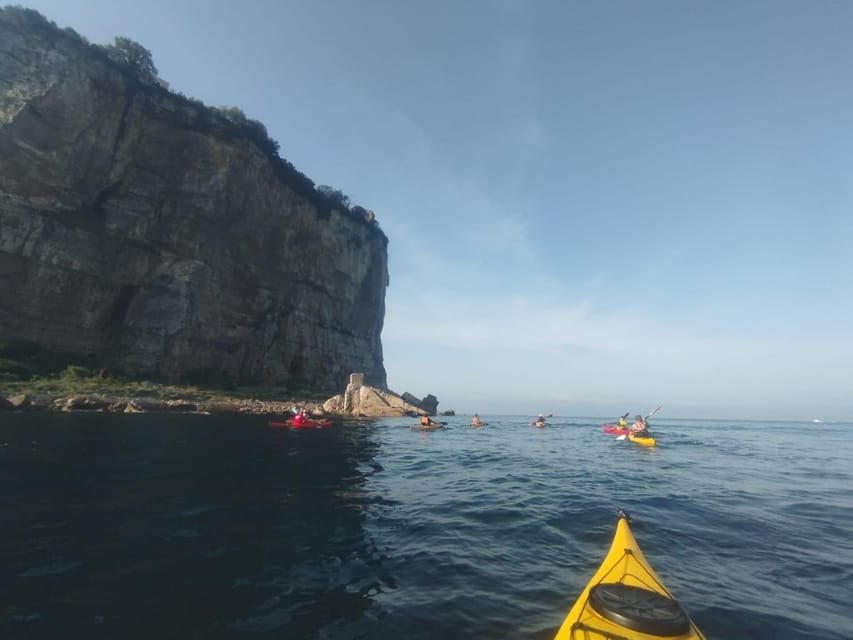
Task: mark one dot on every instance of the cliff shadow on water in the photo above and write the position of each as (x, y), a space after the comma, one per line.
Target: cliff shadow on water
(183, 526)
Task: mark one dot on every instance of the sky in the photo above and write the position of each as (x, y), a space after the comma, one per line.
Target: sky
(592, 207)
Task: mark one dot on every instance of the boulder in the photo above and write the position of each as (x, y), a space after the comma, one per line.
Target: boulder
(408, 397)
(430, 404)
(85, 403)
(143, 405)
(19, 401)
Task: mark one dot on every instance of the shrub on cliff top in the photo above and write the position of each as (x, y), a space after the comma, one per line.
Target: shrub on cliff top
(134, 56)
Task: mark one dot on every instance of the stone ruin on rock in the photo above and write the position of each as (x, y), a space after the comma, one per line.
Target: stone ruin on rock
(360, 399)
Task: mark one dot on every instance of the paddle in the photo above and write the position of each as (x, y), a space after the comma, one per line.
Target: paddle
(650, 414)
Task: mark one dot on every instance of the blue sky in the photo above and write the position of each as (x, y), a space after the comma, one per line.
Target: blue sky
(593, 207)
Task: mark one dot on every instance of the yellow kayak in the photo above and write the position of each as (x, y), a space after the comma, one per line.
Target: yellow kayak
(626, 600)
(643, 441)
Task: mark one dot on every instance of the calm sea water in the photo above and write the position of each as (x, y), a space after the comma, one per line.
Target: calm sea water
(183, 526)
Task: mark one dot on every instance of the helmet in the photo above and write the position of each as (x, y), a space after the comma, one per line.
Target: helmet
(638, 417)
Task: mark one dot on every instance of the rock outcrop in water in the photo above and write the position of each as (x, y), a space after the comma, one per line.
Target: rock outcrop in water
(363, 400)
(155, 237)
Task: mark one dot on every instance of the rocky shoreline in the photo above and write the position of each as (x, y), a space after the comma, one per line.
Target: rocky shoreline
(358, 400)
(126, 404)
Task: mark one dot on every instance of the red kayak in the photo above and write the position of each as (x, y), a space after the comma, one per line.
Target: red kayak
(308, 422)
(616, 431)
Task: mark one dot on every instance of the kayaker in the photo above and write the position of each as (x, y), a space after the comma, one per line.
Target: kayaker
(640, 427)
(621, 423)
(475, 421)
(299, 418)
(427, 422)
(540, 420)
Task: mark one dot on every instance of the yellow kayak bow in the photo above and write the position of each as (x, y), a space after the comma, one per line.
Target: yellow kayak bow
(625, 600)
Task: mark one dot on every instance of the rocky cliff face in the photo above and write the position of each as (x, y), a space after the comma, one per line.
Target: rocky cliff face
(145, 233)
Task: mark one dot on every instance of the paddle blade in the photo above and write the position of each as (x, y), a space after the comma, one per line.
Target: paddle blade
(622, 437)
(652, 412)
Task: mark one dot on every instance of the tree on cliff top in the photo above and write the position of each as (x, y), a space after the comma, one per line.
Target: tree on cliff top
(335, 197)
(133, 55)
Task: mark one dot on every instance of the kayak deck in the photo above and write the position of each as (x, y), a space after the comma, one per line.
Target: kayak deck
(626, 600)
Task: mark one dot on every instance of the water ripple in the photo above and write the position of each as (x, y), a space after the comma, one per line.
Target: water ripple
(217, 527)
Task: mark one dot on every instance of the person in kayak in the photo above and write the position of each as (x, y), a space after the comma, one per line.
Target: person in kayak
(621, 423)
(300, 417)
(540, 420)
(426, 421)
(475, 421)
(640, 427)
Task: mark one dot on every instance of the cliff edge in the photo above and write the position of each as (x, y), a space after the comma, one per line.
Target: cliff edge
(156, 238)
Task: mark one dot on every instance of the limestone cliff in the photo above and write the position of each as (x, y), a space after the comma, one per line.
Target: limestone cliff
(155, 238)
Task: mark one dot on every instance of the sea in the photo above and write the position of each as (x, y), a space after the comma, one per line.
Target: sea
(192, 526)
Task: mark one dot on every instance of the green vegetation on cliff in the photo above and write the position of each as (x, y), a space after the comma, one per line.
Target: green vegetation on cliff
(27, 368)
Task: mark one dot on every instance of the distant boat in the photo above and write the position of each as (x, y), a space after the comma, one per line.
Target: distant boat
(816, 420)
